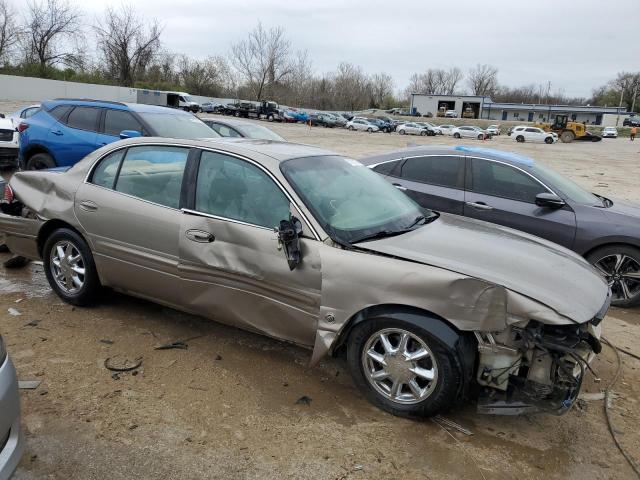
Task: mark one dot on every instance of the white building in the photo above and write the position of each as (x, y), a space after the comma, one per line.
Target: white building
(471, 106)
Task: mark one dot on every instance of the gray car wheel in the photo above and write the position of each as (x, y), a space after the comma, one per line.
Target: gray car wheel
(40, 161)
(69, 267)
(402, 368)
(520, 139)
(456, 135)
(620, 265)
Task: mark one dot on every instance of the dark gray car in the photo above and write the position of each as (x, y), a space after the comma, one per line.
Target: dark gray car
(518, 192)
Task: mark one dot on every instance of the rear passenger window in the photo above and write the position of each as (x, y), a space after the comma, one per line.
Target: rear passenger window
(154, 174)
(84, 118)
(105, 173)
(232, 188)
(386, 168)
(60, 111)
(446, 171)
(498, 180)
(115, 121)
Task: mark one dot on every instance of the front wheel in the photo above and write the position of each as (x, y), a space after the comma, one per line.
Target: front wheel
(422, 133)
(403, 369)
(456, 135)
(401, 132)
(69, 267)
(370, 130)
(620, 265)
(520, 139)
(548, 140)
(350, 128)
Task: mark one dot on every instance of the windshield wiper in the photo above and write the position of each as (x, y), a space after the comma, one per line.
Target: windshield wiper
(378, 235)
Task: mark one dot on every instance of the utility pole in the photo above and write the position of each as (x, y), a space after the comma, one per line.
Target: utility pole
(624, 85)
(635, 94)
(548, 90)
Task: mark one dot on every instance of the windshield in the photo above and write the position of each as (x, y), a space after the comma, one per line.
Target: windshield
(260, 132)
(350, 200)
(177, 126)
(572, 190)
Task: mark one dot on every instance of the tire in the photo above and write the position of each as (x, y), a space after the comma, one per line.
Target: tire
(402, 132)
(456, 135)
(350, 128)
(520, 139)
(548, 140)
(439, 393)
(40, 161)
(270, 118)
(422, 133)
(567, 136)
(236, 114)
(481, 137)
(370, 130)
(605, 260)
(72, 245)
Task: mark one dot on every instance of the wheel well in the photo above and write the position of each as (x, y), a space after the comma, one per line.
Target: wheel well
(48, 228)
(610, 244)
(35, 149)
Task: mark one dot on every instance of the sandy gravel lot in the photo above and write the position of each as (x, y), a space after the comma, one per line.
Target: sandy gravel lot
(227, 408)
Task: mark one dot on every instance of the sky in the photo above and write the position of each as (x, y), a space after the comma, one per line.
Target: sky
(575, 45)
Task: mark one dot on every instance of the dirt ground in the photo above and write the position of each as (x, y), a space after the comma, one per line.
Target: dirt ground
(228, 406)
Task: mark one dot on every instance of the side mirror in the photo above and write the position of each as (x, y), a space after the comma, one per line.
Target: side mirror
(130, 134)
(289, 233)
(549, 200)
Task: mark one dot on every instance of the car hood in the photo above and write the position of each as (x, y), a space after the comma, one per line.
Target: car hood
(528, 265)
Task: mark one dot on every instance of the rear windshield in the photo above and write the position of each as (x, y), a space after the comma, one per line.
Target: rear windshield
(177, 126)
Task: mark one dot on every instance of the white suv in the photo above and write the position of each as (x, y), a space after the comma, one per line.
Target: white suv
(524, 133)
(8, 144)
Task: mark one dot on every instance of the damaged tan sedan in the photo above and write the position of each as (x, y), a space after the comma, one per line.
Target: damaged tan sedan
(307, 246)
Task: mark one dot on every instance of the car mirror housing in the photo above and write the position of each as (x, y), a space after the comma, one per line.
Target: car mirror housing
(550, 200)
(130, 134)
(289, 232)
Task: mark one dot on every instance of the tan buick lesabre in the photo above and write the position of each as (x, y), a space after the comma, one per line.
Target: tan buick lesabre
(307, 246)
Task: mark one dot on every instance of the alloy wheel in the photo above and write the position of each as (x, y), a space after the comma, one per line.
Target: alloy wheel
(399, 365)
(67, 267)
(622, 273)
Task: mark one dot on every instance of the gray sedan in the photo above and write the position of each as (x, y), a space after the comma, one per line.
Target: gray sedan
(11, 440)
(518, 192)
(241, 129)
(307, 246)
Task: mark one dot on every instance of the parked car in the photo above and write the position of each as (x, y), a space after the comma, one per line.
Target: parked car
(432, 130)
(470, 132)
(609, 132)
(299, 116)
(363, 125)
(631, 122)
(310, 247)
(523, 134)
(241, 128)
(25, 112)
(383, 125)
(210, 107)
(451, 114)
(412, 128)
(11, 438)
(9, 145)
(493, 129)
(64, 131)
(518, 192)
(339, 119)
(446, 129)
(322, 120)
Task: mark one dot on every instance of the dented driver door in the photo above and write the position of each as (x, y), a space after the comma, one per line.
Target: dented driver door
(232, 266)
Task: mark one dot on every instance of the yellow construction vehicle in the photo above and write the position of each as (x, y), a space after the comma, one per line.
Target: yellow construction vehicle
(468, 113)
(569, 131)
(441, 111)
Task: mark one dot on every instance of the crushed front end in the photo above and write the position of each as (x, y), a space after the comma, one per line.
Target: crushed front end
(536, 367)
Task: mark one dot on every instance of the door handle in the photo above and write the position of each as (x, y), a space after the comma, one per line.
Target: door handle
(57, 132)
(399, 187)
(200, 236)
(479, 205)
(88, 206)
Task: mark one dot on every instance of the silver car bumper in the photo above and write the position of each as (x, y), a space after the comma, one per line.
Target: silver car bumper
(11, 439)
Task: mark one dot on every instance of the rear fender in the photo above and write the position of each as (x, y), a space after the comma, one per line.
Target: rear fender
(21, 235)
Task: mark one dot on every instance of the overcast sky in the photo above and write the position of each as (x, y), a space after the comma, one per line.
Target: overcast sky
(576, 45)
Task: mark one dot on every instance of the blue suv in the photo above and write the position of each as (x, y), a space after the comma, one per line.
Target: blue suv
(64, 131)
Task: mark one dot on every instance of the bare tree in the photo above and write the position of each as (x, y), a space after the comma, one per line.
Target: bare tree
(450, 80)
(381, 86)
(209, 77)
(262, 59)
(483, 80)
(350, 87)
(435, 81)
(127, 43)
(51, 26)
(9, 30)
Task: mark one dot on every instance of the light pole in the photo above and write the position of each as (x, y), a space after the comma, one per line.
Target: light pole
(624, 85)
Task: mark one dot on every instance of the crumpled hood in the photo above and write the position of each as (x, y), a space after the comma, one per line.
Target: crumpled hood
(525, 264)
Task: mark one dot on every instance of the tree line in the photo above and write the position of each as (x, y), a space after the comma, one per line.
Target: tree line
(53, 39)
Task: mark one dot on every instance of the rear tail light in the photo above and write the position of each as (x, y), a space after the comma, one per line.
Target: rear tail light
(22, 127)
(9, 197)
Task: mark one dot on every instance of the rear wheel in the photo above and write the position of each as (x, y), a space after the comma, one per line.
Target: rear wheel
(40, 161)
(350, 127)
(369, 129)
(567, 136)
(422, 133)
(402, 132)
(520, 139)
(620, 265)
(481, 137)
(69, 267)
(403, 369)
(456, 135)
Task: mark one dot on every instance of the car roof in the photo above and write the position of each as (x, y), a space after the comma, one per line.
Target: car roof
(229, 121)
(510, 158)
(133, 107)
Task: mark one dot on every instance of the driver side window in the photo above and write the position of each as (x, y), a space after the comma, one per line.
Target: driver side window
(238, 190)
